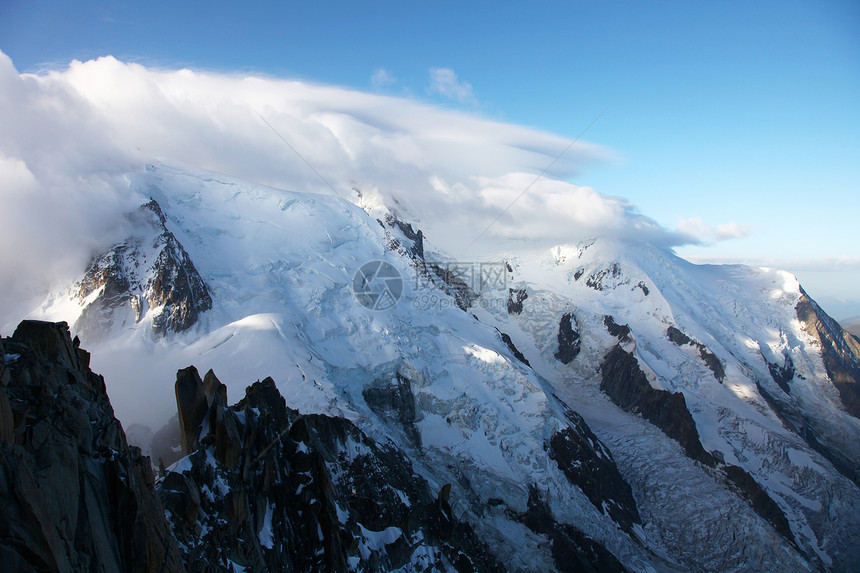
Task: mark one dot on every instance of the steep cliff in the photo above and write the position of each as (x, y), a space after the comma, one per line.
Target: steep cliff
(265, 488)
(73, 495)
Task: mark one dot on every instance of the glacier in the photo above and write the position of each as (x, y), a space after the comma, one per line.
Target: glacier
(472, 389)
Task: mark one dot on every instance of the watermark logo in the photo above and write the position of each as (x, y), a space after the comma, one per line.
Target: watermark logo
(377, 285)
(476, 277)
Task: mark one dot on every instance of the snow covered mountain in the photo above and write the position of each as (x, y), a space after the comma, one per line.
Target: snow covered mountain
(675, 416)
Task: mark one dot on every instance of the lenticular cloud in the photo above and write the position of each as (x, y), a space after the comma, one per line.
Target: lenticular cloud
(71, 136)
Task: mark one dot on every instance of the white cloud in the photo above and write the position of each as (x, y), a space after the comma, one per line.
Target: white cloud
(731, 231)
(70, 136)
(548, 213)
(700, 232)
(61, 186)
(381, 79)
(444, 81)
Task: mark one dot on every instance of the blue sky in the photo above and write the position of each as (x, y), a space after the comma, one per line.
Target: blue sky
(744, 115)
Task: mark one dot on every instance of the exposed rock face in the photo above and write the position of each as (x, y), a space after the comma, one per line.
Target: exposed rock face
(399, 234)
(307, 493)
(515, 300)
(575, 552)
(606, 278)
(572, 550)
(393, 400)
(619, 331)
(681, 339)
(149, 272)
(202, 406)
(587, 463)
(625, 383)
(760, 501)
(628, 387)
(7, 419)
(840, 351)
(402, 237)
(262, 488)
(75, 496)
(449, 277)
(782, 375)
(454, 284)
(414, 237)
(569, 343)
(510, 344)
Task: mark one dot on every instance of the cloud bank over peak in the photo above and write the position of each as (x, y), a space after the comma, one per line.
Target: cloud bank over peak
(70, 137)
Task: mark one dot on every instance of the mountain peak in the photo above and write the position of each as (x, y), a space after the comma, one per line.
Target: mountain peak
(514, 387)
(149, 276)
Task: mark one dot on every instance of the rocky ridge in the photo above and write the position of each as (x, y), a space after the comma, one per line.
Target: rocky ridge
(259, 486)
(265, 488)
(148, 274)
(75, 496)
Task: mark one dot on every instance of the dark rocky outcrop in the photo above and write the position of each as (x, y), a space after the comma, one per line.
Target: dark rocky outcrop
(625, 383)
(416, 237)
(308, 493)
(711, 361)
(569, 343)
(588, 465)
(678, 337)
(453, 278)
(202, 410)
(150, 270)
(454, 284)
(73, 495)
(575, 552)
(760, 501)
(409, 240)
(262, 487)
(515, 300)
(782, 375)
(7, 418)
(619, 331)
(392, 399)
(840, 351)
(510, 344)
(607, 277)
(572, 550)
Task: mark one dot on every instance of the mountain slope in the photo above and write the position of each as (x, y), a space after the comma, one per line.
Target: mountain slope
(725, 340)
(568, 371)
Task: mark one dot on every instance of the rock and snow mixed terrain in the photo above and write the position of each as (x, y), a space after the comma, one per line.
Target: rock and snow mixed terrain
(604, 404)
